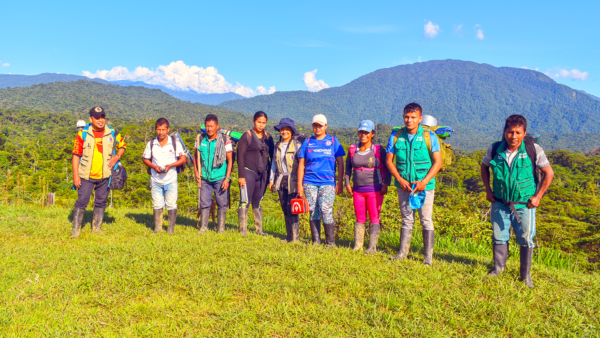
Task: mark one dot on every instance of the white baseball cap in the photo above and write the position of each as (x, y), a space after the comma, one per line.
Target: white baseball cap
(320, 119)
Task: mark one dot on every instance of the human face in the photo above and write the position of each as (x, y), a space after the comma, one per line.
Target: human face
(260, 124)
(286, 133)
(514, 136)
(319, 130)
(98, 123)
(162, 131)
(365, 137)
(211, 128)
(412, 120)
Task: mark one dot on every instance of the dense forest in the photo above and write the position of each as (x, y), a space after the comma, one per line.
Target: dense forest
(473, 98)
(35, 154)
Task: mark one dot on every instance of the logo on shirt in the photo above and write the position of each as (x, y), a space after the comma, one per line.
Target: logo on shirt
(499, 157)
(328, 143)
(402, 139)
(523, 155)
(110, 139)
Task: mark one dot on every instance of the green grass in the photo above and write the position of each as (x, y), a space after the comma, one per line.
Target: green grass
(129, 282)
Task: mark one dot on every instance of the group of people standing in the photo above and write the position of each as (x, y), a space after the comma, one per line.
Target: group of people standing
(313, 167)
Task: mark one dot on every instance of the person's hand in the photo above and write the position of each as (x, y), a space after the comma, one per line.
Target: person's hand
(300, 191)
(349, 189)
(490, 196)
(225, 185)
(419, 186)
(77, 180)
(271, 185)
(157, 169)
(242, 182)
(113, 160)
(198, 178)
(534, 202)
(199, 183)
(167, 167)
(405, 185)
(384, 190)
(339, 189)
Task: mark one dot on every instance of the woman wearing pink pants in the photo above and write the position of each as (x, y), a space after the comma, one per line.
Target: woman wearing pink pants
(365, 165)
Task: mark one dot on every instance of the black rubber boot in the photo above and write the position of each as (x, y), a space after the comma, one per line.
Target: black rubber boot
(500, 257)
(204, 218)
(77, 218)
(329, 234)
(221, 217)
(359, 236)
(428, 239)
(243, 221)
(373, 239)
(526, 257)
(295, 225)
(315, 231)
(172, 219)
(258, 221)
(405, 238)
(288, 230)
(97, 221)
(158, 220)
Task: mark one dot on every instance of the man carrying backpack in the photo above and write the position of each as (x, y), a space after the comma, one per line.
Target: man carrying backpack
(94, 157)
(214, 159)
(516, 192)
(418, 160)
(163, 155)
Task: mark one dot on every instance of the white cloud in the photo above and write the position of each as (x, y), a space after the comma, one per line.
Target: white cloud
(457, 29)
(479, 32)
(573, 74)
(176, 75)
(537, 69)
(311, 82)
(431, 30)
(5, 64)
(262, 90)
(370, 29)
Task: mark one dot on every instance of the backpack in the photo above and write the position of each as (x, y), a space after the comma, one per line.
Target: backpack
(530, 141)
(445, 149)
(377, 151)
(118, 176)
(179, 168)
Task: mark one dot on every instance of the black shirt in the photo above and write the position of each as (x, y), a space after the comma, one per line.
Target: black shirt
(255, 153)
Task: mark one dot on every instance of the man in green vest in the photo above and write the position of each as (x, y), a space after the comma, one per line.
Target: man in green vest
(214, 158)
(516, 192)
(414, 168)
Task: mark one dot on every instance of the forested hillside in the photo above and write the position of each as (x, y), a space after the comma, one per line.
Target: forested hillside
(15, 80)
(473, 98)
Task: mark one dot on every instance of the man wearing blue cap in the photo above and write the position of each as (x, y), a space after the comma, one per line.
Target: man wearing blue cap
(418, 160)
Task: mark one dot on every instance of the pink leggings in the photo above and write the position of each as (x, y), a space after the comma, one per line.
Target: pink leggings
(370, 201)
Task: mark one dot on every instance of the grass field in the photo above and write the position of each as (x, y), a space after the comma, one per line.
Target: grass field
(129, 282)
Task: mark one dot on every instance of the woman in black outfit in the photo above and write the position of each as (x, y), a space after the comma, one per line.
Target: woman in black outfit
(255, 151)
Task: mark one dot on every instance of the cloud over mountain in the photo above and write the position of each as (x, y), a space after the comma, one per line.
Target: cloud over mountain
(311, 82)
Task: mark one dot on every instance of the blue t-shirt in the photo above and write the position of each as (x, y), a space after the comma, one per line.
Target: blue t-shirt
(435, 143)
(319, 156)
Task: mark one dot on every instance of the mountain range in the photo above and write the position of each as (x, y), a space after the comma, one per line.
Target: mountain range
(12, 80)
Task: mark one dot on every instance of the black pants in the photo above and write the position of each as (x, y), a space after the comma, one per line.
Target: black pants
(285, 199)
(256, 185)
(85, 192)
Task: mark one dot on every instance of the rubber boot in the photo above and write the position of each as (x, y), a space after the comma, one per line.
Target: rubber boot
(359, 236)
(315, 231)
(428, 236)
(500, 257)
(329, 234)
(288, 230)
(405, 238)
(526, 257)
(172, 219)
(97, 221)
(373, 238)
(77, 218)
(258, 221)
(221, 217)
(295, 225)
(243, 221)
(204, 218)
(158, 220)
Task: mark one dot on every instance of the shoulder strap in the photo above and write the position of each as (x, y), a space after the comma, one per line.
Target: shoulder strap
(495, 147)
(427, 136)
(532, 154)
(174, 145)
(84, 132)
(352, 150)
(397, 135)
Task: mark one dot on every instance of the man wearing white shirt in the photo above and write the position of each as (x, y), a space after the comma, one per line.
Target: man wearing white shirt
(163, 155)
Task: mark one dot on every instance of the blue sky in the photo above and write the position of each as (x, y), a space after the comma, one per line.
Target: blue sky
(239, 46)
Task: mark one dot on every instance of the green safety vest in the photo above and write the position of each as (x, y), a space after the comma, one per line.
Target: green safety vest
(207, 155)
(515, 183)
(413, 160)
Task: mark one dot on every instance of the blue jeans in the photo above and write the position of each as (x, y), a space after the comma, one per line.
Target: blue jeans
(206, 192)
(164, 195)
(502, 220)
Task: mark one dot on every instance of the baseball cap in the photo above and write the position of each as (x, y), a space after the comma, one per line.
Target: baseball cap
(97, 112)
(320, 119)
(366, 125)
